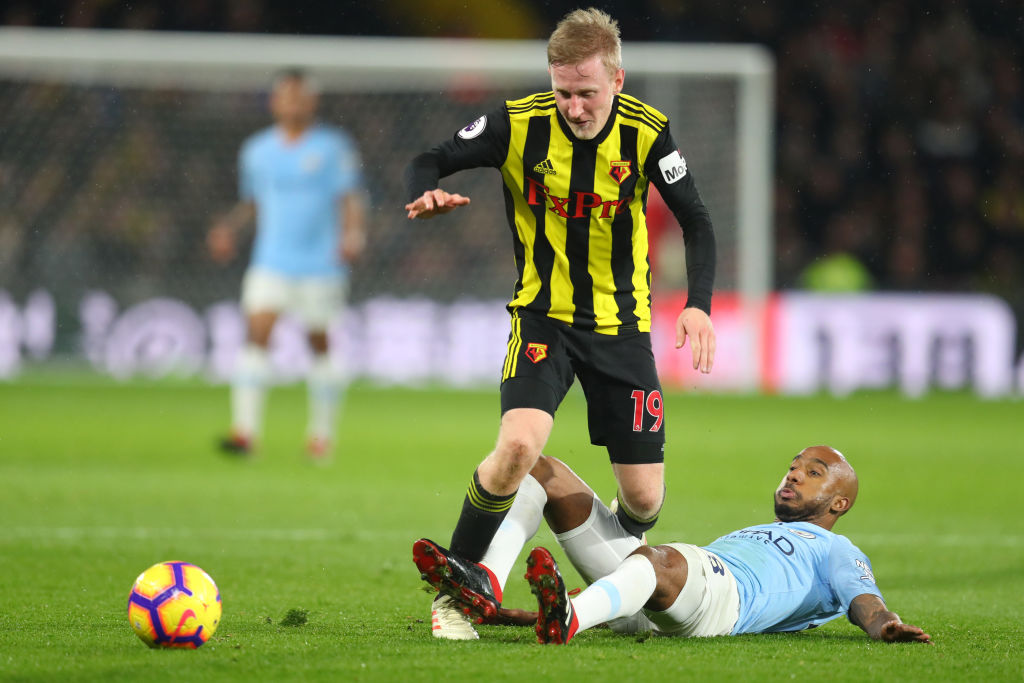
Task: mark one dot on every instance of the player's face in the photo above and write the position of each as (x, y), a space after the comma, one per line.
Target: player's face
(292, 104)
(584, 93)
(809, 487)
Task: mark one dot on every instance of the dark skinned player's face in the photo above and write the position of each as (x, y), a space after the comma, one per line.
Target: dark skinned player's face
(809, 487)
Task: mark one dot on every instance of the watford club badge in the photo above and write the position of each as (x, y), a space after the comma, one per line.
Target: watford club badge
(621, 170)
(536, 352)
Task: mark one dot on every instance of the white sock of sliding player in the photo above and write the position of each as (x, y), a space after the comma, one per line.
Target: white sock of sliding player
(622, 593)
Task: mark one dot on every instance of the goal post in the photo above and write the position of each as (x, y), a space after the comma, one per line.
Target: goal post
(119, 148)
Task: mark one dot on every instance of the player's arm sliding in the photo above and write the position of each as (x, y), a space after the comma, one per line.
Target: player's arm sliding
(488, 148)
(870, 613)
(684, 201)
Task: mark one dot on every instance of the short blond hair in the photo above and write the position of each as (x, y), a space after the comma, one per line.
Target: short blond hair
(583, 33)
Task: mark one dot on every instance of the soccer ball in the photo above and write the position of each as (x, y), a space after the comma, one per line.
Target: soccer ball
(174, 604)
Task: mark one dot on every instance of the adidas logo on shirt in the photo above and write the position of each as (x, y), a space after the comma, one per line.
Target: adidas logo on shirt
(545, 167)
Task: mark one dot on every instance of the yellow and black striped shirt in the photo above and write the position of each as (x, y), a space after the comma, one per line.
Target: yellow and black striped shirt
(576, 207)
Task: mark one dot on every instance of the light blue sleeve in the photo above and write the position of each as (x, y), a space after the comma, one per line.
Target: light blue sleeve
(347, 173)
(850, 573)
(246, 182)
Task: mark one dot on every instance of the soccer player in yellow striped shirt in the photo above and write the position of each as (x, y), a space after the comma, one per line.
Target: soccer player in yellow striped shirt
(576, 164)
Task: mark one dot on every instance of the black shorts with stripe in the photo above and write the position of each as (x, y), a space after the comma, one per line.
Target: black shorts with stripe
(625, 409)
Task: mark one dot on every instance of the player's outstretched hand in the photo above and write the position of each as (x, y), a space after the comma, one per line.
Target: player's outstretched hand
(696, 324)
(221, 243)
(896, 631)
(434, 203)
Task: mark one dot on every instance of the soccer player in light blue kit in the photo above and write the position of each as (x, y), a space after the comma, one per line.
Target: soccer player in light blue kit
(301, 182)
(788, 575)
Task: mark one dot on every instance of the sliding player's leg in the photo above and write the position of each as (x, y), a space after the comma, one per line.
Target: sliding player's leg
(591, 535)
(651, 577)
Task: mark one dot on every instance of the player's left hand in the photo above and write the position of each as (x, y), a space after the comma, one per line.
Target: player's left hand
(896, 631)
(696, 324)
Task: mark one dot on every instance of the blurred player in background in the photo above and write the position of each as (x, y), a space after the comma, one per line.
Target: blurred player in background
(301, 181)
(576, 164)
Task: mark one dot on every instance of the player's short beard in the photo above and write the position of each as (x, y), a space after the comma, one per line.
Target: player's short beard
(786, 512)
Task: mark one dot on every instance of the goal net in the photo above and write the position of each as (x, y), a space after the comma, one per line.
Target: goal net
(120, 148)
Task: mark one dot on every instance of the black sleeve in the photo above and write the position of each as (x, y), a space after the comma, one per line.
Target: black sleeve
(667, 170)
(483, 142)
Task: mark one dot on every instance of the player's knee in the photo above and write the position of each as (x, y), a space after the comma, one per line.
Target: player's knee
(546, 473)
(518, 452)
(643, 503)
(641, 489)
(569, 501)
(670, 571)
(511, 460)
(554, 476)
(650, 552)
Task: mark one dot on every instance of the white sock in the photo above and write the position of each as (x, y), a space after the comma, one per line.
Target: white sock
(598, 546)
(518, 527)
(325, 389)
(622, 593)
(249, 390)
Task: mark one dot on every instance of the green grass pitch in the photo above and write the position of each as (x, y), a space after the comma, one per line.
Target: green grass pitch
(99, 480)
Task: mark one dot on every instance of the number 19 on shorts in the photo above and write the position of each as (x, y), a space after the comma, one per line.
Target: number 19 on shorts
(649, 403)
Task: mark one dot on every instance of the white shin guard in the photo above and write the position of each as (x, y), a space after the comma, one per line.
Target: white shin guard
(598, 546)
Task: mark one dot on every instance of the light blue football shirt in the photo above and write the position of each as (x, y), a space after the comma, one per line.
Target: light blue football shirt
(793, 575)
(296, 187)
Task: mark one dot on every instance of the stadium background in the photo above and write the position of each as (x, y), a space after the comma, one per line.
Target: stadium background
(900, 124)
(899, 149)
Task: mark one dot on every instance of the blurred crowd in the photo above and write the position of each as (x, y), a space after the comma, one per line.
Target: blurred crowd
(900, 125)
(900, 147)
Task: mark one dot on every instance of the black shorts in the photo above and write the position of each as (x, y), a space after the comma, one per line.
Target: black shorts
(625, 409)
